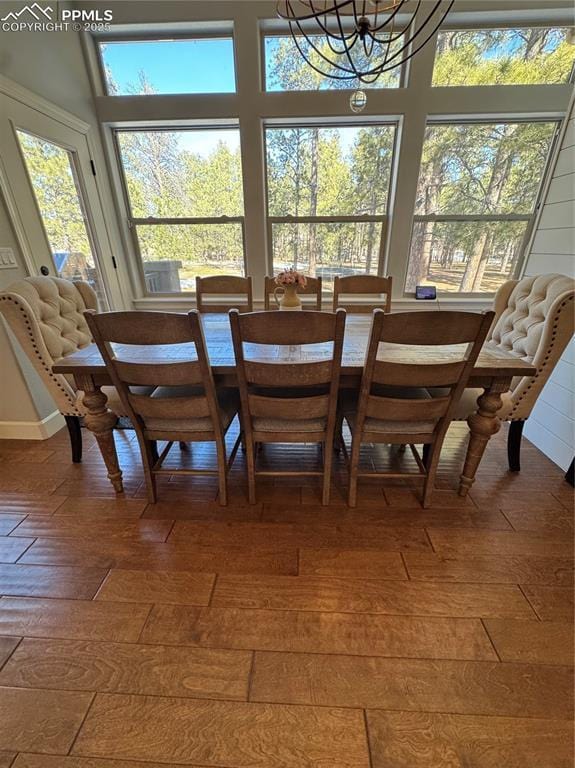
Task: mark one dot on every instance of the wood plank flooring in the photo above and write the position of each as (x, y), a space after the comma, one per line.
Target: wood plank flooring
(284, 634)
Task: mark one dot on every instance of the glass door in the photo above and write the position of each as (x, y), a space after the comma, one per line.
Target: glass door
(53, 174)
(54, 198)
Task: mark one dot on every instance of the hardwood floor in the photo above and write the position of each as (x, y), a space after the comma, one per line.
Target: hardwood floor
(284, 634)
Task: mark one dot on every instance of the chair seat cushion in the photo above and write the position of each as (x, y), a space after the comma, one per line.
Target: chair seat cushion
(228, 402)
(348, 406)
(384, 426)
(260, 424)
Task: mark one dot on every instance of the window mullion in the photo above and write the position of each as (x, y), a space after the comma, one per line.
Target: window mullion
(409, 146)
(248, 53)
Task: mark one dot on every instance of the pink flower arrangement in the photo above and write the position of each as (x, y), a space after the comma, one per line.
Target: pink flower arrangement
(291, 277)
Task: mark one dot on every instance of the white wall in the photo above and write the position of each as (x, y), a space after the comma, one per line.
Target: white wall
(551, 426)
(24, 401)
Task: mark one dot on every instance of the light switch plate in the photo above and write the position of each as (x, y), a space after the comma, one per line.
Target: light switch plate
(7, 259)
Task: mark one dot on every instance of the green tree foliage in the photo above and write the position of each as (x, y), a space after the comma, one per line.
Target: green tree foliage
(504, 57)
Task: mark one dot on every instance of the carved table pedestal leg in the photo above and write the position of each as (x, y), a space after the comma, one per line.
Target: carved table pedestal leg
(101, 422)
(482, 426)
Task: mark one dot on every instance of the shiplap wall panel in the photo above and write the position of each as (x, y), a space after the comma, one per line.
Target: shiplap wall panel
(561, 189)
(551, 426)
(550, 444)
(555, 241)
(569, 354)
(569, 140)
(561, 399)
(555, 215)
(565, 162)
(543, 263)
(555, 421)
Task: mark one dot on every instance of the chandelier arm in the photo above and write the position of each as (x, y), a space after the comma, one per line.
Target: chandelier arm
(385, 66)
(388, 47)
(410, 38)
(393, 15)
(342, 52)
(291, 16)
(421, 45)
(401, 33)
(351, 76)
(351, 73)
(375, 18)
(351, 70)
(323, 26)
(368, 45)
(305, 57)
(347, 53)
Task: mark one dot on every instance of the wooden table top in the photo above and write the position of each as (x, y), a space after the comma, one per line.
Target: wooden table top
(492, 361)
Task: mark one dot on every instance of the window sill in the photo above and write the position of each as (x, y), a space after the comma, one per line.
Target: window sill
(405, 304)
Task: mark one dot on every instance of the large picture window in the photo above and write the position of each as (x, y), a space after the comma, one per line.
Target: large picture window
(184, 189)
(328, 190)
(478, 186)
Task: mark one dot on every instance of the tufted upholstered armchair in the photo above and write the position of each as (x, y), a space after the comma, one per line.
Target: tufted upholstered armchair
(46, 316)
(534, 320)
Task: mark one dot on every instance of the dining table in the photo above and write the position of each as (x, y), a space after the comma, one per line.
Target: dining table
(493, 373)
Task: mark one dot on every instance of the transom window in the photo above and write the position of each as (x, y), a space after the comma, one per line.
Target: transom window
(328, 190)
(478, 185)
(186, 209)
(286, 70)
(145, 67)
(504, 56)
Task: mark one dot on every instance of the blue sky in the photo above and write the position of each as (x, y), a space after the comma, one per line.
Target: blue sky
(173, 66)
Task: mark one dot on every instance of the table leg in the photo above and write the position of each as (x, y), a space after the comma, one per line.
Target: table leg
(101, 422)
(483, 424)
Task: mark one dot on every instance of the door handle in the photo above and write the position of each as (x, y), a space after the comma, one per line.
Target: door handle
(44, 271)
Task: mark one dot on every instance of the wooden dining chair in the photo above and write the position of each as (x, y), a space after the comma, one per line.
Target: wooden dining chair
(286, 400)
(366, 285)
(394, 405)
(184, 404)
(222, 286)
(313, 288)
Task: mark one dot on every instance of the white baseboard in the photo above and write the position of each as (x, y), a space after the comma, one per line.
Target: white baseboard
(32, 430)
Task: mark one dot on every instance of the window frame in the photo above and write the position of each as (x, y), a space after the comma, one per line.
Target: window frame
(403, 73)
(382, 218)
(529, 218)
(409, 107)
(133, 222)
(159, 38)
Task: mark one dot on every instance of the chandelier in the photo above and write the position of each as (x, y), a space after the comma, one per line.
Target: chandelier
(365, 38)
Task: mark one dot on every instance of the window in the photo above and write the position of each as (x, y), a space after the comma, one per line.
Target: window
(328, 193)
(504, 56)
(286, 70)
(478, 186)
(331, 192)
(144, 67)
(185, 195)
(55, 184)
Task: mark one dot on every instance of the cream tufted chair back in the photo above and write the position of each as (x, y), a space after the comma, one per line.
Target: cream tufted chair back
(534, 321)
(46, 316)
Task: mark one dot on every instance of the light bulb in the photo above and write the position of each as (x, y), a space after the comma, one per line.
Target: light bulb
(357, 101)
